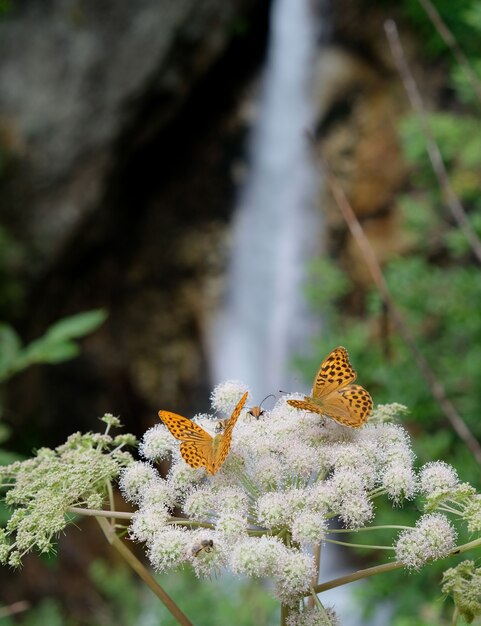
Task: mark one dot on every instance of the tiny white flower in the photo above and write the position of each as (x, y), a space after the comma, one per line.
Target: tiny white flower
(313, 617)
(399, 482)
(232, 499)
(157, 443)
(226, 395)
(388, 412)
(356, 511)
(183, 478)
(273, 511)
(135, 478)
(148, 523)
(472, 513)
(257, 556)
(279, 508)
(293, 576)
(432, 538)
(354, 457)
(437, 476)
(159, 494)
(169, 548)
(309, 527)
(267, 471)
(199, 503)
(231, 525)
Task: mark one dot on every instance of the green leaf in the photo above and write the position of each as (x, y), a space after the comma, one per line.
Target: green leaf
(48, 351)
(4, 432)
(76, 326)
(10, 346)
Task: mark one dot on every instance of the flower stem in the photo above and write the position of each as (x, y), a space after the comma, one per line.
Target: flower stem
(359, 545)
(386, 567)
(98, 513)
(454, 619)
(363, 573)
(143, 572)
(315, 577)
(363, 528)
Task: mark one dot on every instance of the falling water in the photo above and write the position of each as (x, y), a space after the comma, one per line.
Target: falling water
(276, 228)
(265, 320)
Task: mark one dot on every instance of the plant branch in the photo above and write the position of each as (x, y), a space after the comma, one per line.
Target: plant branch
(315, 577)
(449, 39)
(143, 572)
(358, 545)
(13, 609)
(99, 513)
(358, 575)
(434, 152)
(386, 567)
(435, 386)
(284, 614)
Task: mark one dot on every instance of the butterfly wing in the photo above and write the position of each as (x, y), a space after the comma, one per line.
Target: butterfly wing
(226, 437)
(350, 406)
(196, 447)
(334, 373)
(306, 405)
(359, 403)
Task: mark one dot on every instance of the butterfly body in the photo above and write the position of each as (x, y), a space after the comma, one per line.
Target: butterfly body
(334, 395)
(198, 448)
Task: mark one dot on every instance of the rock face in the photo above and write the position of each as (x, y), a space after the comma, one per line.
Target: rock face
(119, 126)
(75, 79)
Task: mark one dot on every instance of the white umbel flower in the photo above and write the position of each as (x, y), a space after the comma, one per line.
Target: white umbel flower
(433, 538)
(226, 395)
(437, 477)
(135, 478)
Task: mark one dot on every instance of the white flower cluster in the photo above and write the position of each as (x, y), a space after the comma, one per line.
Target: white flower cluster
(433, 538)
(287, 474)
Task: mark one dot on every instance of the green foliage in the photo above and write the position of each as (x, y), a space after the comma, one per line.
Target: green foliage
(207, 603)
(77, 473)
(461, 17)
(437, 288)
(56, 345)
(5, 7)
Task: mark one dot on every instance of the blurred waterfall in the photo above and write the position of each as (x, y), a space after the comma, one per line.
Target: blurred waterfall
(276, 228)
(265, 319)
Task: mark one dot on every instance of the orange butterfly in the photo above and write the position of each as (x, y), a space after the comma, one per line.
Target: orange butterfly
(198, 448)
(334, 395)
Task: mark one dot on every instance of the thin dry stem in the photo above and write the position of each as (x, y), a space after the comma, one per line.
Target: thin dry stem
(143, 572)
(435, 386)
(284, 614)
(315, 576)
(434, 152)
(14, 609)
(100, 513)
(449, 39)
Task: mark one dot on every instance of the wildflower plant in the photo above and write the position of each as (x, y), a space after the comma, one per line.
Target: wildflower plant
(292, 481)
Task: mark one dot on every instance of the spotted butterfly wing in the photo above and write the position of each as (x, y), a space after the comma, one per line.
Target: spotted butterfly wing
(197, 447)
(224, 447)
(334, 373)
(334, 396)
